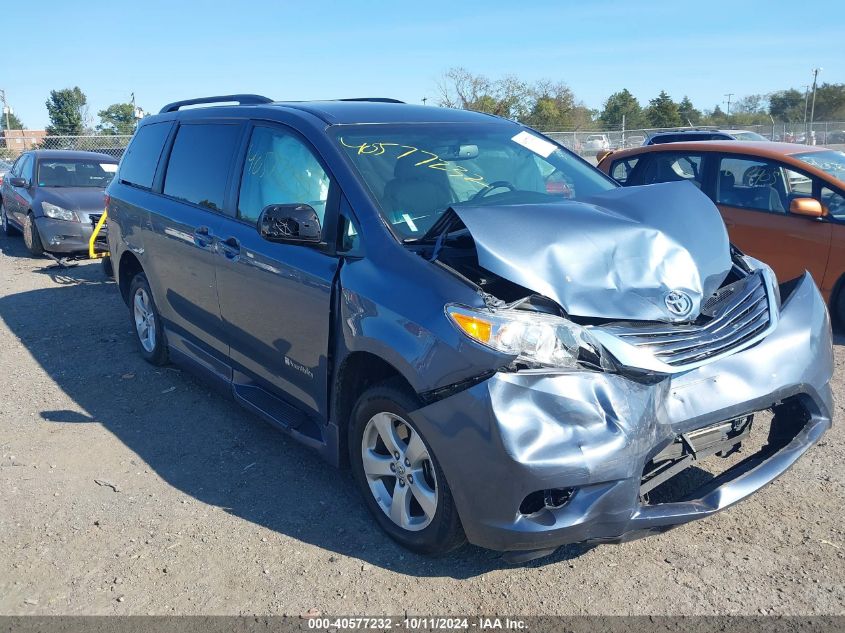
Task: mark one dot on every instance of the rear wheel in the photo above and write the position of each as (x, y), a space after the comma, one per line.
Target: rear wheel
(30, 236)
(398, 475)
(146, 321)
(7, 228)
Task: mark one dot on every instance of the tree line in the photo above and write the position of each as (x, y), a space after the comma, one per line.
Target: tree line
(546, 105)
(552, 105)
(69, 116)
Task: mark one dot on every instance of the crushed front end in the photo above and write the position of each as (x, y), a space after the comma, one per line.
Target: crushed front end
(537, 459)
(538, 456)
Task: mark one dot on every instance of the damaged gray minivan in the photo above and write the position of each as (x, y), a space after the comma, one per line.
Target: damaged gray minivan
(504, 345)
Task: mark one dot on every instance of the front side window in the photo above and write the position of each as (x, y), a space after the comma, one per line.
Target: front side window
(75, 173)
(199, 163)
(832, 162)
(25, 168)
(750, 183)
(416, 171)
(673, 167)
(280, 169)
(834, 202)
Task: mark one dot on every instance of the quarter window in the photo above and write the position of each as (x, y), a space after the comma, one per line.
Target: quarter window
(622, 169)
(139, 163)
(751, 184)
(280, 169)
(199, 163)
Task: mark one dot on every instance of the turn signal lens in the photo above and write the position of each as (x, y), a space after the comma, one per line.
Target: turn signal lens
(476, 328)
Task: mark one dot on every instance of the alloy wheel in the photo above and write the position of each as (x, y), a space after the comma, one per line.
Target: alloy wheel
(145, 324)
(399, 471)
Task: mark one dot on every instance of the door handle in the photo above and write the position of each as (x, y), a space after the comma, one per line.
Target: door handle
(203, 237)
(230, 247)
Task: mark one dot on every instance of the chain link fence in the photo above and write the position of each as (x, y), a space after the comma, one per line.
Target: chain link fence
(13, 146)
(589, 142)
(584, 142)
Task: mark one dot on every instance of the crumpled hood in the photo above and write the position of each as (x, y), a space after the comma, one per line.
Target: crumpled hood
(617, 255)
(74, 198)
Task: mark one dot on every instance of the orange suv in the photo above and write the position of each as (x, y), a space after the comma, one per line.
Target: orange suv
(782, 203)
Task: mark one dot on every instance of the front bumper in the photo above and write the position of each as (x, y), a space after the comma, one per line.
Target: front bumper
(518, 433)
(61, 236)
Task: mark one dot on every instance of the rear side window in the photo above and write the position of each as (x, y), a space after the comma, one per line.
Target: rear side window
(673, 167)
(139, 163)
(622, 169)
(199, 163)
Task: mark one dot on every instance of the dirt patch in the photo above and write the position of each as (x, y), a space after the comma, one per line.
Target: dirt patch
(130, 489)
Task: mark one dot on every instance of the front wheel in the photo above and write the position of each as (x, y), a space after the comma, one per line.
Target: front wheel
(31, 238)
(146, 321)
(398, 475)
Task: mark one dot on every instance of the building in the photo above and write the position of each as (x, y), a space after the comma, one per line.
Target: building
(17, 141)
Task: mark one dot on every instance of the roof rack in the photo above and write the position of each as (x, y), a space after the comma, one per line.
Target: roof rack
(239, 99)
(375, 99)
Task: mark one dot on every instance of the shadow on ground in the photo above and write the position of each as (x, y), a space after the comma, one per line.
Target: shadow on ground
(200, 441)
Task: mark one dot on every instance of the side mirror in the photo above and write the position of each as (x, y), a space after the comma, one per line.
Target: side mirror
(19, 182)
(809, 207)
(290, 223)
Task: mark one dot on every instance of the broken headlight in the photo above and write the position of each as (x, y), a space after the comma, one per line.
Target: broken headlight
(534, 338)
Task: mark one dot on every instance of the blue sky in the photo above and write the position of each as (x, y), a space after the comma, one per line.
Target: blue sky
(165, 51)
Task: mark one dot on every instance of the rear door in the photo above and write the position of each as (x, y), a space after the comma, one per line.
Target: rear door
(181, 246)
(753, 195)
(275, 299)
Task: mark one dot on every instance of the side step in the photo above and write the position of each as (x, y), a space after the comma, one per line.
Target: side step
(275, 410)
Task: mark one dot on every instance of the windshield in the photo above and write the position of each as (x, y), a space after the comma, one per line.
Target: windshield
(417, 171)
(832, 162)
(75, 173)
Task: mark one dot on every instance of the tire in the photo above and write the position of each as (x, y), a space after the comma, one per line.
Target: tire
(108, 269)
(8, 229)
(432, 527)
(31, 238)
(146, 322)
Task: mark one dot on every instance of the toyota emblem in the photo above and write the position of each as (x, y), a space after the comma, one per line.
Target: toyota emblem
(678, 303)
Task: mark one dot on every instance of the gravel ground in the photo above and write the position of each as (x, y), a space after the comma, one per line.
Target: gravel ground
(128, 489)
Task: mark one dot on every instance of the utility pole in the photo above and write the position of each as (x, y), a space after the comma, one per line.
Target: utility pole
(729, 95)
(816, 72)
(6, 109)
(424, 99)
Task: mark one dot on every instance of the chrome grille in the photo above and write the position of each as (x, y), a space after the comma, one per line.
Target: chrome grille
(735, 314)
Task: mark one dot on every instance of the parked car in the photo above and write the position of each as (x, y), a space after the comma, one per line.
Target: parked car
(836, 137)
(503, 344)
(596, 143)
(55, 198)
(684, 136)
(634, 140)
(782, 203)
(4, 168)
(745, 135)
